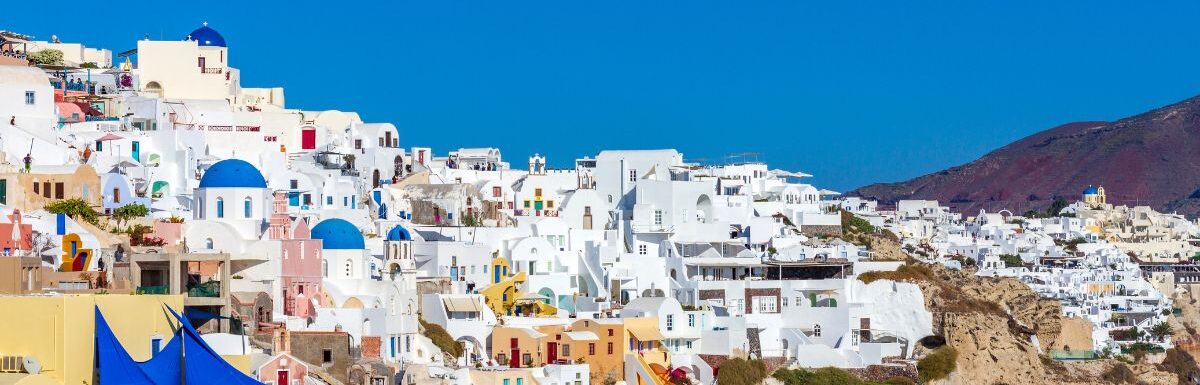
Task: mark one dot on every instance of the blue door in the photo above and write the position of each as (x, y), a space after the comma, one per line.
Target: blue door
(137, 148)
(293, 198)
(454, 273)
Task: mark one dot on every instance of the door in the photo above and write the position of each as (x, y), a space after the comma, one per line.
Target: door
(283, 378)
(293, 198)
(587, 217)
(864, 324)
(3, 191)
(137, 149)
(200, 63)
(515, 361)
(308, 139)
(551, 352)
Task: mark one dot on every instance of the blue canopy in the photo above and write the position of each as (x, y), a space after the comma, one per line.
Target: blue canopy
(204, 365)
(113, 363)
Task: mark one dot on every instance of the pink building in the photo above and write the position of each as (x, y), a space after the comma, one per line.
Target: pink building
(18, 239)
(300, 264)
(282, 369)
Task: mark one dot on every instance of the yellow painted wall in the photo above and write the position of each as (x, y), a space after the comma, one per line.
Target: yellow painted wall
(60, 330)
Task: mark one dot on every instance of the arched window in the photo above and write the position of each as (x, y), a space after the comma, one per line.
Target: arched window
(325, 268)
(246, 207)
(220, 207)
(817, 330)
(349, 268)
(208, 243)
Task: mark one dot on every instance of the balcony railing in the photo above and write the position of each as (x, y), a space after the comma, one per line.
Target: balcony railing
(210, 289)
(151, 289)
(211, 70)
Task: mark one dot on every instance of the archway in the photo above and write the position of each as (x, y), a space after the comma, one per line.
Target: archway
(154, 87)
(704, 209)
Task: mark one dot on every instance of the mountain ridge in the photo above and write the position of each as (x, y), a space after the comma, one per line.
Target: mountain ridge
(1152, 158)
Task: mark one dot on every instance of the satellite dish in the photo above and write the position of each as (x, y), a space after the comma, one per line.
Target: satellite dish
(31, 364)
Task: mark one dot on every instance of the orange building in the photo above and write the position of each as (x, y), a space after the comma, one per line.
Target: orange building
(601, 343)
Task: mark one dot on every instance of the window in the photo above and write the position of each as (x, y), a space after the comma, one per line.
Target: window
(294, 184)
(566, 350)
(537, 192)
(526, 359)
(691, 320)
(326, 356)
(116, 195)
(688, 343)
(784, 299)
(29, 98)
(357, 144)
(518, 381)
(58, 190)
(642, 249)
(816, 331)
(610, 334)
(591, 349)
(610, 347)
(526, 203)
(246, 207)
(737, 306)
(550, 204)
(658, 217)
(496, 191)
(670, 322)
(329, 200)
(220, 208)
(765, 304)
(633, 175)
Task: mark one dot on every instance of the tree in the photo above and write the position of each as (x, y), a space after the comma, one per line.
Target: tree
(89, 64)
(1056, 207)
(1161, 330)
(46, 57)
(1012, 260)
(133, 210)
(76, 208)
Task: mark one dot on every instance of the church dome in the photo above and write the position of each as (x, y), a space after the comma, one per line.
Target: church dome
(399, 233)
(232, 173)
(338, 234)
(1091, 190)
(207, 37)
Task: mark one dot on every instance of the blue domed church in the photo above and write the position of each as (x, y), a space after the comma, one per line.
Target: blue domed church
(344, 250)
(234, 192)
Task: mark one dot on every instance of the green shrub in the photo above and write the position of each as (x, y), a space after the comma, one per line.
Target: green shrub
(46, 57)
(938, 364)
(739, 371)
(854, 224)
(1012, 260)
(76, 208)
(442, 339)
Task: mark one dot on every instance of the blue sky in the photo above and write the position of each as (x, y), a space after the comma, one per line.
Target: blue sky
(853, 92)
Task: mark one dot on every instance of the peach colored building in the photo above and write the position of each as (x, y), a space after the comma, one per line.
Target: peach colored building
(283, 369)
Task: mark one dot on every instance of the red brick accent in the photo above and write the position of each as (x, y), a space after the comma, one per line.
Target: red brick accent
(370, 347)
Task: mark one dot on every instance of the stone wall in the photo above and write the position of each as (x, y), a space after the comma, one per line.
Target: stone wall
(818, 230)
(881, 373)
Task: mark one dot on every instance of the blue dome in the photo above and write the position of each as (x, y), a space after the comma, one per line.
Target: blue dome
(1091, 190)
(337, 234)
(232, 173)
(399, 233)
(207, 37)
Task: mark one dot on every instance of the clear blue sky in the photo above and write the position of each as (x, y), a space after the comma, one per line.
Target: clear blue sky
(853, 93)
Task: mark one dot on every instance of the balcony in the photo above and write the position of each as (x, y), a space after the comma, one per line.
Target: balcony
(216, 71)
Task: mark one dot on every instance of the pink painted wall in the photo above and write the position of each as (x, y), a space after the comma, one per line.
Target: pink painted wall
(300, 267)
(269, 372)
(171, 233)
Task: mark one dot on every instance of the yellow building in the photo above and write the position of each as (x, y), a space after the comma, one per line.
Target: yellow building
(59, 331)
(1094, 196)
(601, 343)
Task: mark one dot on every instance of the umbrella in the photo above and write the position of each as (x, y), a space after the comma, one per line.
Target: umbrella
(108, 137)
(789, 174)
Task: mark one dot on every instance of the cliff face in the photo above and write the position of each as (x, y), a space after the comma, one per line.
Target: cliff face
(990, 322)
(1147, 159)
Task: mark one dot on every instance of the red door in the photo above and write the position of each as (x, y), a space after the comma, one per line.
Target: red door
(308, 139)
(283, 378)
(551, 352)
(515, 361)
